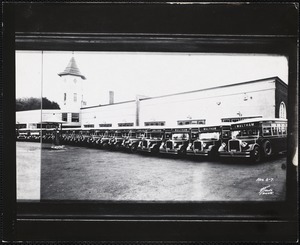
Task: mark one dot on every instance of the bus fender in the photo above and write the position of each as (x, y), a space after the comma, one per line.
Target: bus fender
(251, 146)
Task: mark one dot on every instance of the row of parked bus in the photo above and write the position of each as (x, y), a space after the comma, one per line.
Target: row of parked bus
(253, 138)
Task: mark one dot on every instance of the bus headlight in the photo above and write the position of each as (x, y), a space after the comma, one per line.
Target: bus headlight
(244, 144)
(223, 144)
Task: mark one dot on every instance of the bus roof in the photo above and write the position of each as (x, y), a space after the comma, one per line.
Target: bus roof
(216, 125)
(253, 120)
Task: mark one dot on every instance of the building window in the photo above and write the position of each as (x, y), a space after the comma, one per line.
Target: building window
(103, 125)
(75, 97)
(282, 110)
(187, 122)
(75, 117)
(125, 124)
(156, 123)
(64, 117)
(88, 125)
(65, 97)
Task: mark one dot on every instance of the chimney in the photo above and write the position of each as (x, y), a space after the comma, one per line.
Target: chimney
(111, 97)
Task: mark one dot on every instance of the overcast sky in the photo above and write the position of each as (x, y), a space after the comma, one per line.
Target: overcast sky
(132, 73)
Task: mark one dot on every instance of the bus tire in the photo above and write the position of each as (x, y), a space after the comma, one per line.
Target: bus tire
(182, 152)
(267, 147)
(213, 154)
(133, 148)
(256, 156)
(118, 146)
(155, 150)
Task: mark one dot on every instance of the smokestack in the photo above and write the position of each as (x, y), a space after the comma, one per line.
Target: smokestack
(111, 97)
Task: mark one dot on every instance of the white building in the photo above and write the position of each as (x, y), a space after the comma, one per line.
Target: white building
(265, 97)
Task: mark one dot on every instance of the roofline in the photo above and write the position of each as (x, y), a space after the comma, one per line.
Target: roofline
(222, 86)
(41, 110)
(71, 74)
(95, 106)
(276, 78)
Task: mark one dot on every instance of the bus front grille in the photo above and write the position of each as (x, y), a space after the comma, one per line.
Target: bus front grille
(197, 145)
(234, 145)
(169, 144)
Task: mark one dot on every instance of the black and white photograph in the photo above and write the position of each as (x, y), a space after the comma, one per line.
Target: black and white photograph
(150, 122)
(151, 126)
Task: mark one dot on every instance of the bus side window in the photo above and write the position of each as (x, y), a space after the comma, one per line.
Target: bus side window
(274, 130)
(279, 127)
(267, 131)
(283, 129)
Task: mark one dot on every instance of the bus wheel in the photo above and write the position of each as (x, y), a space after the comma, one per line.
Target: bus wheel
(256, 154)
(117, 146)
(267, 148)
(133, 148)
(155, 150)
(212, 155)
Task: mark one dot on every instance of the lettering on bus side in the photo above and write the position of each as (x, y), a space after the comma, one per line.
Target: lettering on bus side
(245, 125)
(181, 130)
(210, 129)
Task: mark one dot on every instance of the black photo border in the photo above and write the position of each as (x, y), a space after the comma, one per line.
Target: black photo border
(268, 28)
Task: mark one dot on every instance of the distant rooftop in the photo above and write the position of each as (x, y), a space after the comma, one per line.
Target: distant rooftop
(72, 69)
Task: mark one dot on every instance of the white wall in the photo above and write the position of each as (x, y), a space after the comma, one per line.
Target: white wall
(114, 114)
(70, 85)
(32, 117)
(212, 105)
(250, 99)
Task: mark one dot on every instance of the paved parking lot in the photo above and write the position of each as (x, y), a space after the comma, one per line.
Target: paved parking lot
(78, 173)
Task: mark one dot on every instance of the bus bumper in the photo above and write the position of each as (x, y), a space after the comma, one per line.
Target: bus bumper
(197, 153)
(168, 151)
(144, 149)
(239, 154)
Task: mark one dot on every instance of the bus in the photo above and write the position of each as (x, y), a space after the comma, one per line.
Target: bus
(118, 137)
(209, 139)
(152, 140)
(23, 134)
(256, 139)
(176, 140)
(131, 142)
(104, 141)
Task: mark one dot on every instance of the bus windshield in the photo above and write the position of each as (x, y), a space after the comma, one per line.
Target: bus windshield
(180, 136)
(132, 135)
(209, 136)
(245, 133)
(154, 136)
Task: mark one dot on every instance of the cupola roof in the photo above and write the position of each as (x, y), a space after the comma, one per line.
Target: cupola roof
(72, 69)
